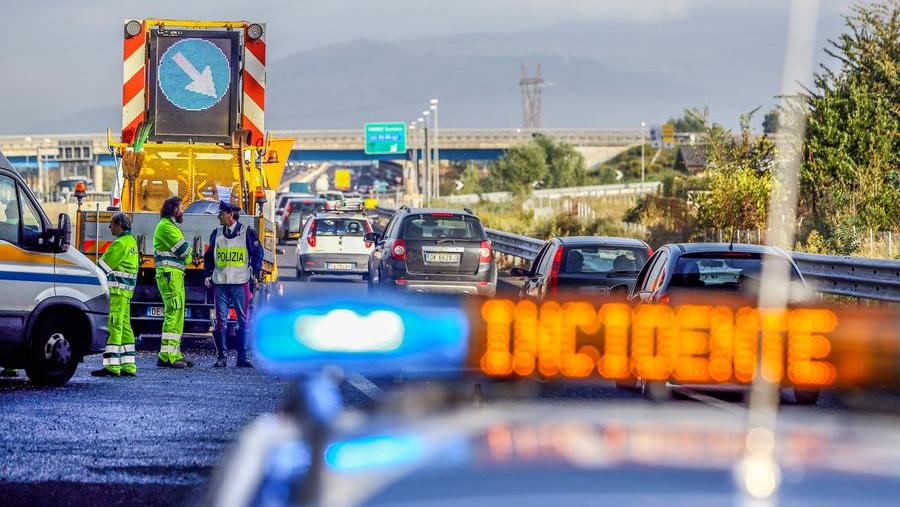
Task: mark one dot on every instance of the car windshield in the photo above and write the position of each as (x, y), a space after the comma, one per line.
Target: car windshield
(203, 207)
(442, 226)
(340, 227)
(733, 271)
(602, 259)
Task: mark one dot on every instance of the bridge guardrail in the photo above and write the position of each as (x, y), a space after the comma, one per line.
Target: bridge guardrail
(858, 277)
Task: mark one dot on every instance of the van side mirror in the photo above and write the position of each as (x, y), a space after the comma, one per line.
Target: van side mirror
(372, 237)
(63, 234)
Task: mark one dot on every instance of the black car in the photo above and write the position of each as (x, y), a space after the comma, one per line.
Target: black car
(296, 211)
(443, 251)
(687, 270)
(586, 264)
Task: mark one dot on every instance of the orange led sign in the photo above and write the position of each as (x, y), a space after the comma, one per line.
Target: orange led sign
(692, 343)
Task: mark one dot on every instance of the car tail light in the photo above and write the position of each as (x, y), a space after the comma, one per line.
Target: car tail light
(485, 252)
(663, 299)
(400, 281)
(554, 271)
(311, 237)
(232, 315)
(288, 208)
(442, 214)
(649, 252)
(368, 228)
(398, 250)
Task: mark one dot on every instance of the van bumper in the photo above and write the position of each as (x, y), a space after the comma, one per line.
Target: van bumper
(99, 332)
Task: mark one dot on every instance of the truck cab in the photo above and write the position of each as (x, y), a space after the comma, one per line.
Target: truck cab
(55, 303)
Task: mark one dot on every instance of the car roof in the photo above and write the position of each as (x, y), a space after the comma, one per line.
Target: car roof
(339, 214)
(6, 164)
(426, 211)
(601, 240)
(725, 247)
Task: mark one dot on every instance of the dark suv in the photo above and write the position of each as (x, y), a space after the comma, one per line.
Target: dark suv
(434, 251)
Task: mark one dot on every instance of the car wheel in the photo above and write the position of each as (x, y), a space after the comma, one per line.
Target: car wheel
(54, 356)
(302, 276)
(805, 397)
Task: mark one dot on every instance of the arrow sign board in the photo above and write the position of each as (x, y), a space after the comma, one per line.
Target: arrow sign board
(385, 138)
(193, 76)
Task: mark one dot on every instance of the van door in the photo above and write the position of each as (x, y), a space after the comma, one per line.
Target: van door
(27, 274)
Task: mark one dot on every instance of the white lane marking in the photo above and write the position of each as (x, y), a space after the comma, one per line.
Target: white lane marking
(709, 400)
(364, 385)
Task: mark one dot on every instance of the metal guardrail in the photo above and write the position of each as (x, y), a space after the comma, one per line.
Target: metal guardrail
(858, 277)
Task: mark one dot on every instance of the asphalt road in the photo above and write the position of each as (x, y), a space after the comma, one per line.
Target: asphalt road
(154, 439)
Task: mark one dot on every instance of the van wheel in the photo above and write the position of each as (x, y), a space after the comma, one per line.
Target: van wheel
(54, 356)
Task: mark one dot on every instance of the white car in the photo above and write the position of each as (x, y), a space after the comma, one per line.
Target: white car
(333, 243)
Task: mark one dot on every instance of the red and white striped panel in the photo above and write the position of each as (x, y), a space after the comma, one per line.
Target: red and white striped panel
(134, 93)
(254, 79)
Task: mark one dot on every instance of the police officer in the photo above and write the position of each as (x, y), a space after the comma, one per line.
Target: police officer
(232, 262)
(171, 253)
(120, 264)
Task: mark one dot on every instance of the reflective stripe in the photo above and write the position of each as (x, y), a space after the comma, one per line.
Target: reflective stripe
(163, 253)
(177, 246)
(127, 360)
(112, 349)
(111, 361)
(171, 349)
(128, 348)
(123, 274)
(121, 286)
(171, 336)
(172, 263)
(105, 267)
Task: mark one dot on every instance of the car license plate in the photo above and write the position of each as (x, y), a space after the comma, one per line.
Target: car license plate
(339, 266)
(443, 258)
(155, 311)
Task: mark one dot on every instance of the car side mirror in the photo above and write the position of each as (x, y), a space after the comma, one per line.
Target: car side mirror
(372, 237)
(62, 237)
(519, 272)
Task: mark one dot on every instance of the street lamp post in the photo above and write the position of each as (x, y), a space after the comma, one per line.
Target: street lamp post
(643, 130)
(427, 155)
(414, 177)
(437, 155)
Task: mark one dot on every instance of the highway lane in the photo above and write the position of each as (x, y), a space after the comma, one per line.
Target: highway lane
(154, 439)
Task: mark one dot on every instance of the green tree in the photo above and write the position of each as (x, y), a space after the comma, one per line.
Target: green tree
(519, 169)
(690, 121)
(565, 166)
(852, 148)
(739, 179)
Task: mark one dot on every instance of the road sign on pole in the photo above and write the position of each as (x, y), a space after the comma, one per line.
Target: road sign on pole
(385, 138)
(668, 135)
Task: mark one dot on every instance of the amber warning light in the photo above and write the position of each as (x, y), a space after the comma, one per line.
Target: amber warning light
(692, 343)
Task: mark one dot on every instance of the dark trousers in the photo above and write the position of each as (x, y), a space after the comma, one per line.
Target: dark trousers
(235, 296)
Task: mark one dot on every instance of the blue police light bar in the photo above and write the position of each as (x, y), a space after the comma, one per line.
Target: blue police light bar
(372, 336)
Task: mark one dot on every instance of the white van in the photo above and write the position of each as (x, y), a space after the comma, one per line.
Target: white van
(54, 302)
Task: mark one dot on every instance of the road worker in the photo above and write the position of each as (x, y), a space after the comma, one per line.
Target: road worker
(171, 253)
(231, 263)
(120, 264)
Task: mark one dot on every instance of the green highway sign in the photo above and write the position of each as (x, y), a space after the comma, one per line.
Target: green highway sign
(385, 138)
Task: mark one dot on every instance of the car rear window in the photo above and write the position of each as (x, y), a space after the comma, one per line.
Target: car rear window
(307, 207)
(731, 271)
(603, 259)
(340, 227)
(442, 226)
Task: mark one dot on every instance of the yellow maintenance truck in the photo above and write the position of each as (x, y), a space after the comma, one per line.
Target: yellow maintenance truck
(192, 126)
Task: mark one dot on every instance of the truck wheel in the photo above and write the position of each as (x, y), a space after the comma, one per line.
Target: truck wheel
(54, 355)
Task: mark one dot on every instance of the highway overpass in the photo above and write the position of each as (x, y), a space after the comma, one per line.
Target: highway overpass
(596, 145)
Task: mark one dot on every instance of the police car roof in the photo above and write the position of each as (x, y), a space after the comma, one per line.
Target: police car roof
(538, 453)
